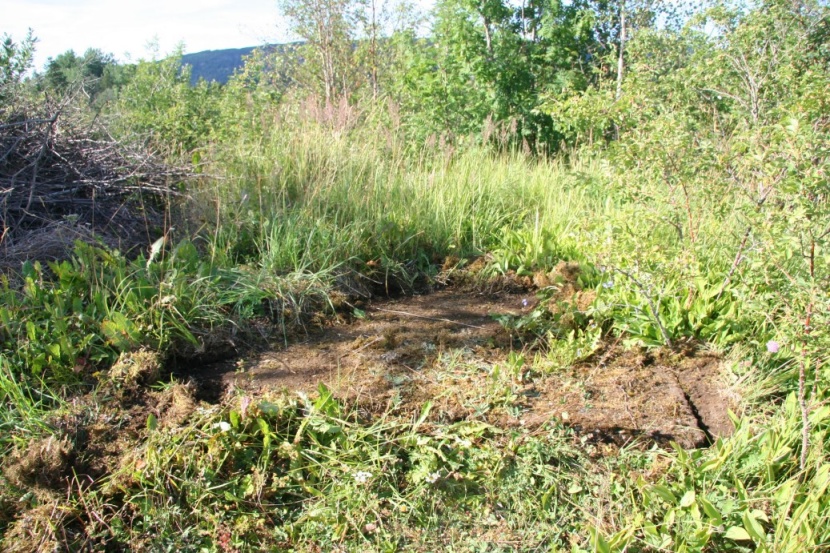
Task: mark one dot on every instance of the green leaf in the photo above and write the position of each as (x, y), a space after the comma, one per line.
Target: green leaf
(688, 499)
(266, 432)
(711, 464)
(753, 527)
(600, 545)
(425, 410)
(737, 533)
(38, 363)
(819, 415)
(152, 422)
(758, 514)
(55, 350)
(665, 494)
(547, 495)
(268, 408)
(711, 511)
(29, 270)
(120, 331)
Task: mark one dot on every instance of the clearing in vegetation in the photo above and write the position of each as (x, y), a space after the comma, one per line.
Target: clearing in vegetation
(448, 348)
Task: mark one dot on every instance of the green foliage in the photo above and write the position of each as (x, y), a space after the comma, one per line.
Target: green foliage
(528, 250)
(91, 72)
(265, 473)
(96, 73)
(485, 65)
(698, 213)
(159, 105)
(15, 62)
(60, 328)
(708, 499)
(328, 30)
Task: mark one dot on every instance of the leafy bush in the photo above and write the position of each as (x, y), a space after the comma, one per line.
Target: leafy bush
(62, 325)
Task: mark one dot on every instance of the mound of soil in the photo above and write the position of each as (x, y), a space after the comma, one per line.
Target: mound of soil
(447, 348)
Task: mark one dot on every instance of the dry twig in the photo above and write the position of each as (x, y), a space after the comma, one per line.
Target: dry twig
(57, 170)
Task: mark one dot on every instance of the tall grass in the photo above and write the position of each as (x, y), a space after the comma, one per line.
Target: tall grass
(306, 198)
(23, 409)
(310, 199)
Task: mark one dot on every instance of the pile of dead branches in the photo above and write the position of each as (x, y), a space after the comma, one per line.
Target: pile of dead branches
(63, 178)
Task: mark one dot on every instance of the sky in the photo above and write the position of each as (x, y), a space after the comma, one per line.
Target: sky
(125, 28)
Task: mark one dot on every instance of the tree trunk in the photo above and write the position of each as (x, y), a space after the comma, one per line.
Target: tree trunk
(373, 52)
(620, 60)
(487, 38)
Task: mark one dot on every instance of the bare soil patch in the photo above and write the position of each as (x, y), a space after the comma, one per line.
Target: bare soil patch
(657, 396)
(447, 348)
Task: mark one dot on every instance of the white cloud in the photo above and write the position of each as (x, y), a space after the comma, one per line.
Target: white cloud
(127, 26)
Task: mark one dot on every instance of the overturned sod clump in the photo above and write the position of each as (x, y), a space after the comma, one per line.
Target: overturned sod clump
(43, 463)
(132, 372)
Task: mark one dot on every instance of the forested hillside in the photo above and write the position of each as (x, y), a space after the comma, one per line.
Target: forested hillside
(537, 276)
(215, 65)
(220, 65)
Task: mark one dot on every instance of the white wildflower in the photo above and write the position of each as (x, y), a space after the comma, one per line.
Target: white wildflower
(362, 476)
(222, 426)
(433, 477)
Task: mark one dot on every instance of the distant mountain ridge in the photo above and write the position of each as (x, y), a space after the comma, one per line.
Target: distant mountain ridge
(217, 65)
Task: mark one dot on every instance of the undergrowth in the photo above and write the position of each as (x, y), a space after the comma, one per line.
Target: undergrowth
(313, 474)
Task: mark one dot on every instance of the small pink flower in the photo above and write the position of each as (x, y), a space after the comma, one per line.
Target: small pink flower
(244, 403)
(773, 346)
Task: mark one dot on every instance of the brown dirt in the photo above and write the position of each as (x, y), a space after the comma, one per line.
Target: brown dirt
(446, 348)
(622, 395)
(44, 462)
(368, 357)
